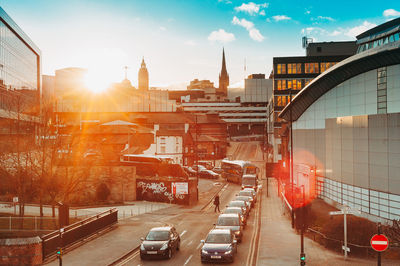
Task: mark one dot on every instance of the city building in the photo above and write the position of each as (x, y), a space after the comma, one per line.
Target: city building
(20, 86)
(223, 77)
(346, 127)
(292, 74)
(143, 77)
(257, 89)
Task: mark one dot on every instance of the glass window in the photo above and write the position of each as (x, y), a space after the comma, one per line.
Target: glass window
(391, 38)
(396, 36)
(281, 69)
(311, 67)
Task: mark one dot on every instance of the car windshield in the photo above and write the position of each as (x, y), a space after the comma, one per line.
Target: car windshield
(236, 204)
(228, 221)
(244, 198)
(233, 210)
(218, 238)
(245, 193)
(157, 235)
(248, 181)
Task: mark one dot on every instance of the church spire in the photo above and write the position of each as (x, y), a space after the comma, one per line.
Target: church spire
(143, 77)
(223, 76)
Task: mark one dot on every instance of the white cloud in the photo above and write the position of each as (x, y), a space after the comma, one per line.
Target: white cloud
(249, 26)
(281, 17)
(391, 13)
(308, 12)
(313, 30)
(243, 22)
(221, 36)
(190, 43)
(325, 18)
(252, 8)
(336, 33)
(256, 35)
(163, 28)
(353, 32)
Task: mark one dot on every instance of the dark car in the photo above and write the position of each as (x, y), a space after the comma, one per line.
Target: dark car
(233, 222)
(208, 174)
(160, 242)
(238, 210)
(220, 245)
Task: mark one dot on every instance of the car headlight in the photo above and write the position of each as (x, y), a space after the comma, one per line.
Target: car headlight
(204, 251)
(228, 252)
(142, 247)
(164, 246)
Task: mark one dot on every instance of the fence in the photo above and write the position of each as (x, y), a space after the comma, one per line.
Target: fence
(28, 223)
(78, 231)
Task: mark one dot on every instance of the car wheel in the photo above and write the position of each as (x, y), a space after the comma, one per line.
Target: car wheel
(169, 253)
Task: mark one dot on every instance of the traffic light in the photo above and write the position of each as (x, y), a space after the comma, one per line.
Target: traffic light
(302, 259)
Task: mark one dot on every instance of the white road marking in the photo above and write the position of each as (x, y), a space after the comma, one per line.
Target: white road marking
(377, 242)
(198, 246)
(187, 261)
(184, 231)
(191, 241)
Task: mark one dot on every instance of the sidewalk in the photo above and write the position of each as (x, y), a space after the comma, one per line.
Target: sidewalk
(280, 244)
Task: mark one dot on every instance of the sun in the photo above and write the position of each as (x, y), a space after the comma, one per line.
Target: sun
(97, 81)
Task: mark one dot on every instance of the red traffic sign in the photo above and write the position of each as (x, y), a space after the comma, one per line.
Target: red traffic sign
(379, 242)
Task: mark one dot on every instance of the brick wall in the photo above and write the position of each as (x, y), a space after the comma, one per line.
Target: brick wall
(21, 251)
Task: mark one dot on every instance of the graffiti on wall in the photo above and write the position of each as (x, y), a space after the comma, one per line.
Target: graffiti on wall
(159, 190)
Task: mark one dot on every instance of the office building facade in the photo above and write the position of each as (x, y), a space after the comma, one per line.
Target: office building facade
(346, 126)
(20, 84)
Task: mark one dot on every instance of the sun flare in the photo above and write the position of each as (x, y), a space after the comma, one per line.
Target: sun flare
(97, 81)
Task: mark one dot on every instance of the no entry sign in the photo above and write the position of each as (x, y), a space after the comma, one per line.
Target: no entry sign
(379, 242)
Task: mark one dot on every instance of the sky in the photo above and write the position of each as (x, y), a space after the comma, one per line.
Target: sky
(181, 40)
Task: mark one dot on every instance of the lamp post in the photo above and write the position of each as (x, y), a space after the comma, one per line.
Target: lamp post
(291, 154)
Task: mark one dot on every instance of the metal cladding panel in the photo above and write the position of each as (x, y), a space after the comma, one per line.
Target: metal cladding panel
(348, 68)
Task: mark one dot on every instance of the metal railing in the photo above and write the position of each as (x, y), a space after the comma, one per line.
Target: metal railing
(28, 223)
(73, 233)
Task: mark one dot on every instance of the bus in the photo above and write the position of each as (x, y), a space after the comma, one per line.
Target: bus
(233, 171)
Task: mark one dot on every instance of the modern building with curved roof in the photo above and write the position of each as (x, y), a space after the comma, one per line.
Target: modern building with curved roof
(346, 126)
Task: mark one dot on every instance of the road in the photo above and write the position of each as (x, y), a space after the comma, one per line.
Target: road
(193, 226)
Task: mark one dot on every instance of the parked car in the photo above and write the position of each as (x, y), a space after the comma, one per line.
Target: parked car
(252, 190)
(238, 210)
(189, 170)
(248, 194)
(217, 170)
(247, 199)
(220, 245)
(198, 168)
(208, 174)
(231, 221)
(160, 242)
(240, 203)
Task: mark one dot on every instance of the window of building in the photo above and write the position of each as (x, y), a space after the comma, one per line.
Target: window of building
(280, 84)
(282, 100)
(162, 149)
(294, 68)
(326, 65)
(382, 90)
(281, 69)
(307, 81)
(311, 68)
(319, 49)
(162, 141)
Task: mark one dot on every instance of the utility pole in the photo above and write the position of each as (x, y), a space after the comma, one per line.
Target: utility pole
(303, 218)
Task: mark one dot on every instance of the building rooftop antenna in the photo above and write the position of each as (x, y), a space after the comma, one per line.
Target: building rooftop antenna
(126, 72)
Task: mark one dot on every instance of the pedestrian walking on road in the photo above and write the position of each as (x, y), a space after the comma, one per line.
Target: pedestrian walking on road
(216, 203)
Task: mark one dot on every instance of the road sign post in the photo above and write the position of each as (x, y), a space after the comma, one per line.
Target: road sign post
(379, 243)
(346, 210)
